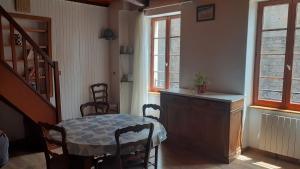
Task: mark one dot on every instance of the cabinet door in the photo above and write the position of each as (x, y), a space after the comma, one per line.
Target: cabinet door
(178, 111)
(213, 125)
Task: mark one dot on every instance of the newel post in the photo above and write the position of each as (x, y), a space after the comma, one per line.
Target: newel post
(57, 91)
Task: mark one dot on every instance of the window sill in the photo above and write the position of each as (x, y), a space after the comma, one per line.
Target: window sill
(275, 109)
(154, 93)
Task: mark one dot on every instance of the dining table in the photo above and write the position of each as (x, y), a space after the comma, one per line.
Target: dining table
(92, 136)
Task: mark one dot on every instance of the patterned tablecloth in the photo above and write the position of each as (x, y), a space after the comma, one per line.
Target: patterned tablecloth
(95, 135)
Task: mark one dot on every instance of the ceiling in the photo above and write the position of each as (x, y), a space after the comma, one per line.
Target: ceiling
(94, 2)
(106, 3)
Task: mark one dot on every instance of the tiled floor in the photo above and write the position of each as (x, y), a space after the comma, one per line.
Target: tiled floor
(172, 158)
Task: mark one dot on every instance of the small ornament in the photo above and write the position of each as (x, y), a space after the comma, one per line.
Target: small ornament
(18, 39)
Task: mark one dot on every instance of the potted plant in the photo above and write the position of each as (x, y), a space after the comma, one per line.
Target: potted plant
(201, 82)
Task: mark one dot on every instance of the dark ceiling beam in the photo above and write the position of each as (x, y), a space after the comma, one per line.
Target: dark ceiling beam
(104, 3)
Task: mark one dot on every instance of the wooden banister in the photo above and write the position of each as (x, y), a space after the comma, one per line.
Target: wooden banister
(1, 40)
(57, 91)
(25, 35)
(36, 68)
(47, 76)
(25, 59)
(39, 57)
(13, 47)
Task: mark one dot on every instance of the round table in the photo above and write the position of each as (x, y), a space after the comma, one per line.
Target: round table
(95, 135)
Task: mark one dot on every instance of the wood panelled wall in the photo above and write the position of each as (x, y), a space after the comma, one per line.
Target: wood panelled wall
(83, 57)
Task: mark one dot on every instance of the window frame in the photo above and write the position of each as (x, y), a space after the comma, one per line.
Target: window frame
(167, 52)
(285, 103)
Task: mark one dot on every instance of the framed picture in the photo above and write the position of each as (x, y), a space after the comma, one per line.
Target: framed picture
(206, 12)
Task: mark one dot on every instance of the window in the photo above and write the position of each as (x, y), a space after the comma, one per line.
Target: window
(277, 65)
(165, 53)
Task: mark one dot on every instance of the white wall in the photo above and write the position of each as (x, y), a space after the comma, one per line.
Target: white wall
(216, 48)
(249, 70)
(83, 57)
(127, 22)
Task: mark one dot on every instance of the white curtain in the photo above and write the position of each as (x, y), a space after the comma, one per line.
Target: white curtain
(140, 64)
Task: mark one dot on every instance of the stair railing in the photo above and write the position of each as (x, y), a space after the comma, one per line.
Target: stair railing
(39, 56)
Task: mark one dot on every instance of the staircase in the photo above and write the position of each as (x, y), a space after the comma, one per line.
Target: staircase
(28, 81)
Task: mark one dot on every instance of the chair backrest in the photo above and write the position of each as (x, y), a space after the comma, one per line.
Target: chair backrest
(146, 145)
(154, 107)
(98, 108)
(99, 91)
(50, 144)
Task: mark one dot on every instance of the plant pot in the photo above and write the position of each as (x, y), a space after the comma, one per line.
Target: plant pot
(201, 89)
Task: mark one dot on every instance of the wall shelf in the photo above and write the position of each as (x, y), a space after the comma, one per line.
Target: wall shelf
(6, 27)
(27, 47)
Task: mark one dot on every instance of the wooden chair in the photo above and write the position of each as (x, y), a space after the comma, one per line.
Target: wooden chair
(97, 108)
(139, 158)
(100, 94)
(55, 158)
(154, 107)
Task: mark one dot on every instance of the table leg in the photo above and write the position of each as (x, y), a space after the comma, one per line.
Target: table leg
(156, 157)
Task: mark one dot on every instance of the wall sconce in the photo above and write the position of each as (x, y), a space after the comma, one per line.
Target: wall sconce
(108, 34)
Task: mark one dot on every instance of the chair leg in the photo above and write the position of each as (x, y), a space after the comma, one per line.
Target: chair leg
(156, 158)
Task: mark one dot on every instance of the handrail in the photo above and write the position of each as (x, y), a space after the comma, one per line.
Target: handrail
(27, 37)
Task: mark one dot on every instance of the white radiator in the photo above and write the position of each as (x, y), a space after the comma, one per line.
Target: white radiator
(280, 135)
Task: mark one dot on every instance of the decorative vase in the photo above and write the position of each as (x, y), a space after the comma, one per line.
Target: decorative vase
(201, 89)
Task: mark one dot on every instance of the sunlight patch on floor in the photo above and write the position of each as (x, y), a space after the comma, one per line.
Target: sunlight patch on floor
(266, 165)
(243, 158)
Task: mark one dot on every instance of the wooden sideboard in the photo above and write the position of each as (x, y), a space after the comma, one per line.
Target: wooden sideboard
(209, 123)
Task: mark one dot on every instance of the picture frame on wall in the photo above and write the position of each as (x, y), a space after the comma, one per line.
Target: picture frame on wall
(206, 12)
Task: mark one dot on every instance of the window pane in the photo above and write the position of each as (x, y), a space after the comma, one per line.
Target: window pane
(160, 29)
(275, 17)
(174, 71)
(159, 47)
(270, 89)
(272, 60)
(159, 71)
(298, 16)
(272, 66)
(273, 42)
(175, 27)
(175, 46)
(271, 77)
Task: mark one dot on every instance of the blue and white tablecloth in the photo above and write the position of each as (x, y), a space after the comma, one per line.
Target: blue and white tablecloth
(95, 135)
